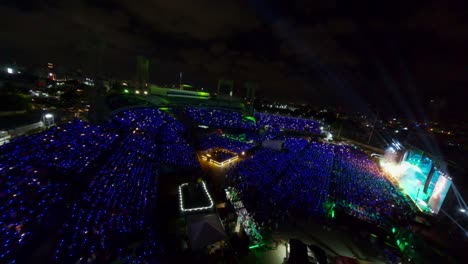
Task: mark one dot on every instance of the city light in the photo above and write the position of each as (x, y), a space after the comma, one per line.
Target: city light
(10, 71)
(137, 92)
(48, 116)
(145, 92)
(463, 210)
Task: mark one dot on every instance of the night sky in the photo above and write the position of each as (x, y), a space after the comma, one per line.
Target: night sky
(397, 55)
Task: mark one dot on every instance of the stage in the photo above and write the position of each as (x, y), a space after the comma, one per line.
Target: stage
(219, 156)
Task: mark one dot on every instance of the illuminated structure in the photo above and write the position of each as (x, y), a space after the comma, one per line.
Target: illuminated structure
(244, 219)
(182, 202)
(4, 137)
(48, 120)
(219, 156)
(419, 177)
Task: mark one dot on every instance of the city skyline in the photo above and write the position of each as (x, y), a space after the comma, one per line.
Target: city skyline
(394, 56)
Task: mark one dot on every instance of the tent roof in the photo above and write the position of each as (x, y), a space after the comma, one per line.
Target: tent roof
(204, 230)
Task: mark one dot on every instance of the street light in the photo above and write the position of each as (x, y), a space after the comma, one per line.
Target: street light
(10, 70)
(48, 116)
(463, 210)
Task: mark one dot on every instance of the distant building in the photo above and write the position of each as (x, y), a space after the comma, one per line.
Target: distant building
(142, 73)
(225, 87)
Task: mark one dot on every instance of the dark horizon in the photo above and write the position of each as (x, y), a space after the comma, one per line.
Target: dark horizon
(393, 56)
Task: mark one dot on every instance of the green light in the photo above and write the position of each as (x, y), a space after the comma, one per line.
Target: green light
(164, 108)
(254, 246)
(240, 137)
(203, 94)
(126, 91)
(333, 214)
(398, 242)
(393, 230)
(250, 118)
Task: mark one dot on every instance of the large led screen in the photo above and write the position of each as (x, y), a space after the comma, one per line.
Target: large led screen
(439, 191)
(415, 169)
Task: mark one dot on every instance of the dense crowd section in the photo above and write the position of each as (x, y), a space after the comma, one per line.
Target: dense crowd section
(257, 180)
(175, 150)
(35, 174)
(306, 181)
(110, 216)
(116, 167)
(215, 140)
(234, 120)
(219, 118)
(69, 148)
(311, 174)
(294, 144)
(113, 212)
(361, 190)
(277, 122)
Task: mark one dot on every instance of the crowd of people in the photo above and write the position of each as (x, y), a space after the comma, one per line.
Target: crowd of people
(118, 166)
(114, 211)
(278, 122)
(174, 150)
(216, 140)
(36, 172)
(231, 119)
(256, 178)
(68, 148)
(311, 174)
(294, 144)
(219, 118)
(306, 181)
(361, 190)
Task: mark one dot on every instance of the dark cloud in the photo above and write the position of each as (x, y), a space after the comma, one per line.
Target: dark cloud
(202, 19)
(294, 49)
